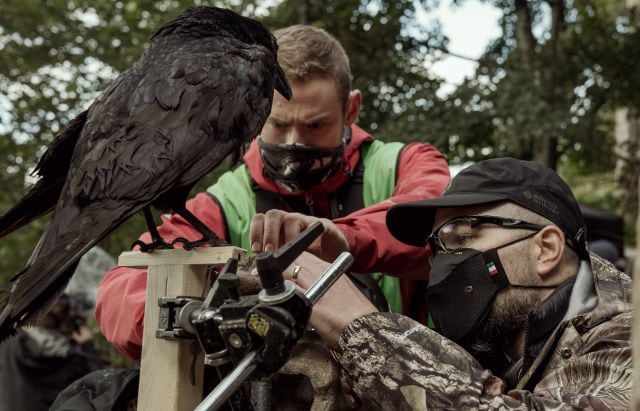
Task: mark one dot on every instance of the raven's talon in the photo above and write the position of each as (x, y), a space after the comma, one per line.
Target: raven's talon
(186, 244)
(148, 247)
(162, 245)
(200, 243)
(144, 247)
(190, 245)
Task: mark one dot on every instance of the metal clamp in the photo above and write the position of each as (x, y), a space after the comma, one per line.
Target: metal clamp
(173, 320)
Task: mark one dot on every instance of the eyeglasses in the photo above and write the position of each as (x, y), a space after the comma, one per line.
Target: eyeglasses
(458, 232)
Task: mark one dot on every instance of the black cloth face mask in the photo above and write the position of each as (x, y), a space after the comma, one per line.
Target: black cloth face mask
(299, 167)
(462, 286)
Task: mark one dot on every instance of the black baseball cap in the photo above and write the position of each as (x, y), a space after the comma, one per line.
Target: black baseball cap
(526, 183)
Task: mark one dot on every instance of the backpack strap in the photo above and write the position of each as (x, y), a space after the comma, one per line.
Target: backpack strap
(348, 198)
(269, 200)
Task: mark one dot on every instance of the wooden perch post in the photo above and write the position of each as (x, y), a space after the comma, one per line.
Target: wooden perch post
(166, 365)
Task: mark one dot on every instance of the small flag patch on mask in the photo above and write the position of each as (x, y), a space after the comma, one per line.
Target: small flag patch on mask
(492, 269)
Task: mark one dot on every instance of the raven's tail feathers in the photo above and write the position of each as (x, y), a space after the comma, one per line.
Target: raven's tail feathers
(6, 329)
(16, 312)
(52, 169)
(71, 233)
(39, 201)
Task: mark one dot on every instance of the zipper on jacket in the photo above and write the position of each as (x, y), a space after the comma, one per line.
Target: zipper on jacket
(308, 200)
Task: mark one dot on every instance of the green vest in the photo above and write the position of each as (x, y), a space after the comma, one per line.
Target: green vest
(235, 195)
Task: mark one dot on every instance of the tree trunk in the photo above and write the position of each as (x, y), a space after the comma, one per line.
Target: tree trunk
(524, 35)
(526, 45)
(550, 152)
(548, 149)
(557, 23)
(302, 8)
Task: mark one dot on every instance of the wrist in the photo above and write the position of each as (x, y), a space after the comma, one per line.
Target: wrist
(331, 323)
(348, 237)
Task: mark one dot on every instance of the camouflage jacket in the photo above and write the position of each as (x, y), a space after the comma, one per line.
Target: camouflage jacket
(393, 362)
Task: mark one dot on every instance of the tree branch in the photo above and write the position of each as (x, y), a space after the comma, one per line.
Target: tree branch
(557, 23)
(453, 54)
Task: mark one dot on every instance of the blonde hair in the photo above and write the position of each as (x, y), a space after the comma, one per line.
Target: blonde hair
(307, 51)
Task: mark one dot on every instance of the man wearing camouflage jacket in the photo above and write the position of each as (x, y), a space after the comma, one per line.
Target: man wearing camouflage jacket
(526, 317)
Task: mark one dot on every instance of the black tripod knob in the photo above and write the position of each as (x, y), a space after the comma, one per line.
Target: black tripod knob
(271, 265)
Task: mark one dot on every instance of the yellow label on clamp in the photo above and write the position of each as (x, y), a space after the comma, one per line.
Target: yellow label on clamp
(258, 325)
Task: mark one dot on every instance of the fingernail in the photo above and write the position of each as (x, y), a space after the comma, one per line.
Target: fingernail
(269, 248)
(255, 247)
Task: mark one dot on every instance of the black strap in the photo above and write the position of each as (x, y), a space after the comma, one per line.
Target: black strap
(417, 308)
(513, 374)
(268, 200)
(347, 199)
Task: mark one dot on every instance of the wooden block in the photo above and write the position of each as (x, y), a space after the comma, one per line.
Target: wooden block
(166, 365)
(210, 255)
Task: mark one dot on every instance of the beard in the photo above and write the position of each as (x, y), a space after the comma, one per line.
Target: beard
(502, 328)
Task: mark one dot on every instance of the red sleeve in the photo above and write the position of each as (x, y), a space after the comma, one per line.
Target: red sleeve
(121, 295)
(422, 173)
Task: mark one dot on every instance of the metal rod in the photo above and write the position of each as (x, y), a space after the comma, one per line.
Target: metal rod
(330, 275)
(228, 386)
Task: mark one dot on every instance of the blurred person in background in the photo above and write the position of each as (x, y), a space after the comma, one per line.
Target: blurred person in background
(43, 359)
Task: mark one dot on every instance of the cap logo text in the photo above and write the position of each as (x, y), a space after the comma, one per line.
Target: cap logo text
(542, 202)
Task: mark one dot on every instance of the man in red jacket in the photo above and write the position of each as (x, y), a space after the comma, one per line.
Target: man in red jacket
(311, 161)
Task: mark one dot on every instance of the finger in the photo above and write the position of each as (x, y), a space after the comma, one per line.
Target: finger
(293, 224)
(256, 233)
(272, 228)
(311, 267)
(319, 244)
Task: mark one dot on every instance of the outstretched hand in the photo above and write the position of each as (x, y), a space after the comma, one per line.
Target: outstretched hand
(272, 229)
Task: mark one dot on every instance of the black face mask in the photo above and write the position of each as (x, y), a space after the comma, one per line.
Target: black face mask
(462, 287)
(299, 167)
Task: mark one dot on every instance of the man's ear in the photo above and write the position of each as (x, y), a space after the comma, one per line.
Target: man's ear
(354, 103)
(550, 249)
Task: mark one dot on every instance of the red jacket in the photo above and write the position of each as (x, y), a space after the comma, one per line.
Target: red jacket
(422, 173)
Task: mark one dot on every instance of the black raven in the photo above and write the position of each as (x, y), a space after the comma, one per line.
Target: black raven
(202, 89)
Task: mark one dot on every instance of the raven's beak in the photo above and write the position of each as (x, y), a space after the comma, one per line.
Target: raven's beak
(281, 83)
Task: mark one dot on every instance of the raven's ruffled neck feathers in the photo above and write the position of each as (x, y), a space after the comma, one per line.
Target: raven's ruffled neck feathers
(207, 21)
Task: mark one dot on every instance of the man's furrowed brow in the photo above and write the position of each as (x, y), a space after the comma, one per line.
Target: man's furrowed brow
(318, 118)
(277, 120)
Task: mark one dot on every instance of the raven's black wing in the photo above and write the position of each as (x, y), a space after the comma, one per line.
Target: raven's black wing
(175, 116)
(52, 170)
